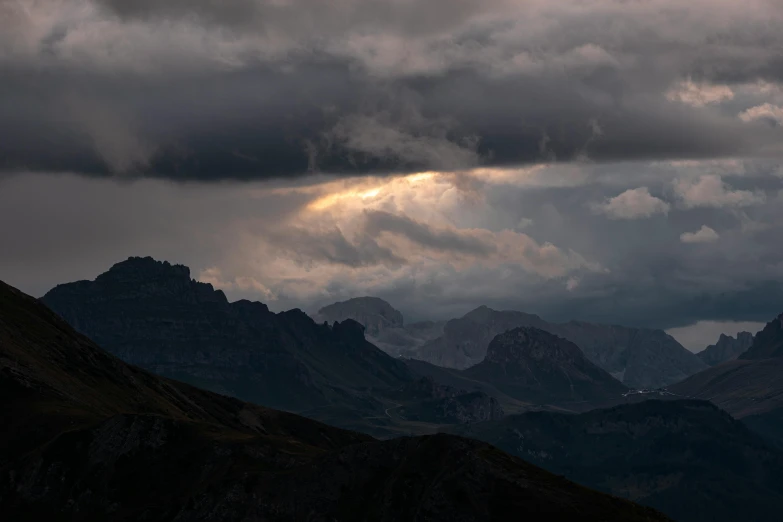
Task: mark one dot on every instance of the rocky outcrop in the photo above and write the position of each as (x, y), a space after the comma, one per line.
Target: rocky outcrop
(727, 348)
(768, 342)
(87, 437)
(384, 326)
(152, 314)
(533, 365)
(639, 358)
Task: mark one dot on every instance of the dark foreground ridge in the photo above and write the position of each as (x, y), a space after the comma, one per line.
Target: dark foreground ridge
(88, 437)
(687, 458)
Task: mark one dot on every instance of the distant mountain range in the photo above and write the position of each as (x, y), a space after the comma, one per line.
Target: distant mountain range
(727, 348)
(88, 437)
(688, 459)
(638, 357)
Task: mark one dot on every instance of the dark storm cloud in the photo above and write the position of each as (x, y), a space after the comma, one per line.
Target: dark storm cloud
(254, 89)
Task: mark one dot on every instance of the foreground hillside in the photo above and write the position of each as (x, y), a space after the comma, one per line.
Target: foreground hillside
(688, 459)
(751, 387)
(92, 438)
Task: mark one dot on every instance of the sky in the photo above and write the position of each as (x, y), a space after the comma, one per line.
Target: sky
(614, 161)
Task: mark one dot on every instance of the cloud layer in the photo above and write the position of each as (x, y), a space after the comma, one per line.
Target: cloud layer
(612, 160)
(253, 89)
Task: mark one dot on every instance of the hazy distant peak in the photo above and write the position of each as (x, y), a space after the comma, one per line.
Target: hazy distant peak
(727, 348)
(375, 314)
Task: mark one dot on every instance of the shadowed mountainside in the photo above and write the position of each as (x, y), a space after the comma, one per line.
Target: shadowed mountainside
(152, 314)
(535, 366)
(92, 438)
(686, 458)
(749, 388)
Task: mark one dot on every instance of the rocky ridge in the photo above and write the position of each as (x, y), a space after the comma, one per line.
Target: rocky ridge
(727, 348)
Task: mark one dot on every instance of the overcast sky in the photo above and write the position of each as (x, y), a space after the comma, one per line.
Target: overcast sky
(612, 161)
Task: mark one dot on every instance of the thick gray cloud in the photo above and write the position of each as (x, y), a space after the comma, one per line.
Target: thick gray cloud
(253, 89)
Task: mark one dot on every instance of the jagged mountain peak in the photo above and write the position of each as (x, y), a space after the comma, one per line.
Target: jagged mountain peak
(727, 348)
(146, 266)
(142, 278)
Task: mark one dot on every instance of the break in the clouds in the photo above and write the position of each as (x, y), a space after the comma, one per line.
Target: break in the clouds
(613, 160)
(254, 89)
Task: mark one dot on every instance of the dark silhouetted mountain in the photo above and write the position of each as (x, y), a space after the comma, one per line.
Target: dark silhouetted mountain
(768, 342)
(749, 388)
(152, 314)
(638, 357)
(384, 326)
(688, 459)
(424, 400)
(537, 366)
(87, 437)
(726, 349)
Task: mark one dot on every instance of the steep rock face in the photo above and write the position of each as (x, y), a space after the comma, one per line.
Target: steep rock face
(726, 349)
(686, 458)
(384, 326)
(152, 314)
(424, 400)
(87, 437)
(533, 365)
(768, 343)
(639, 358)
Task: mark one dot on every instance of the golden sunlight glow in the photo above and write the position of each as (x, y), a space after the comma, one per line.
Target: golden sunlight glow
(358, 191)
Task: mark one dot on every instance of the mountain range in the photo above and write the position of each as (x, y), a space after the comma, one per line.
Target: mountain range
(638, 357)
(88, 437)
(152, 314)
